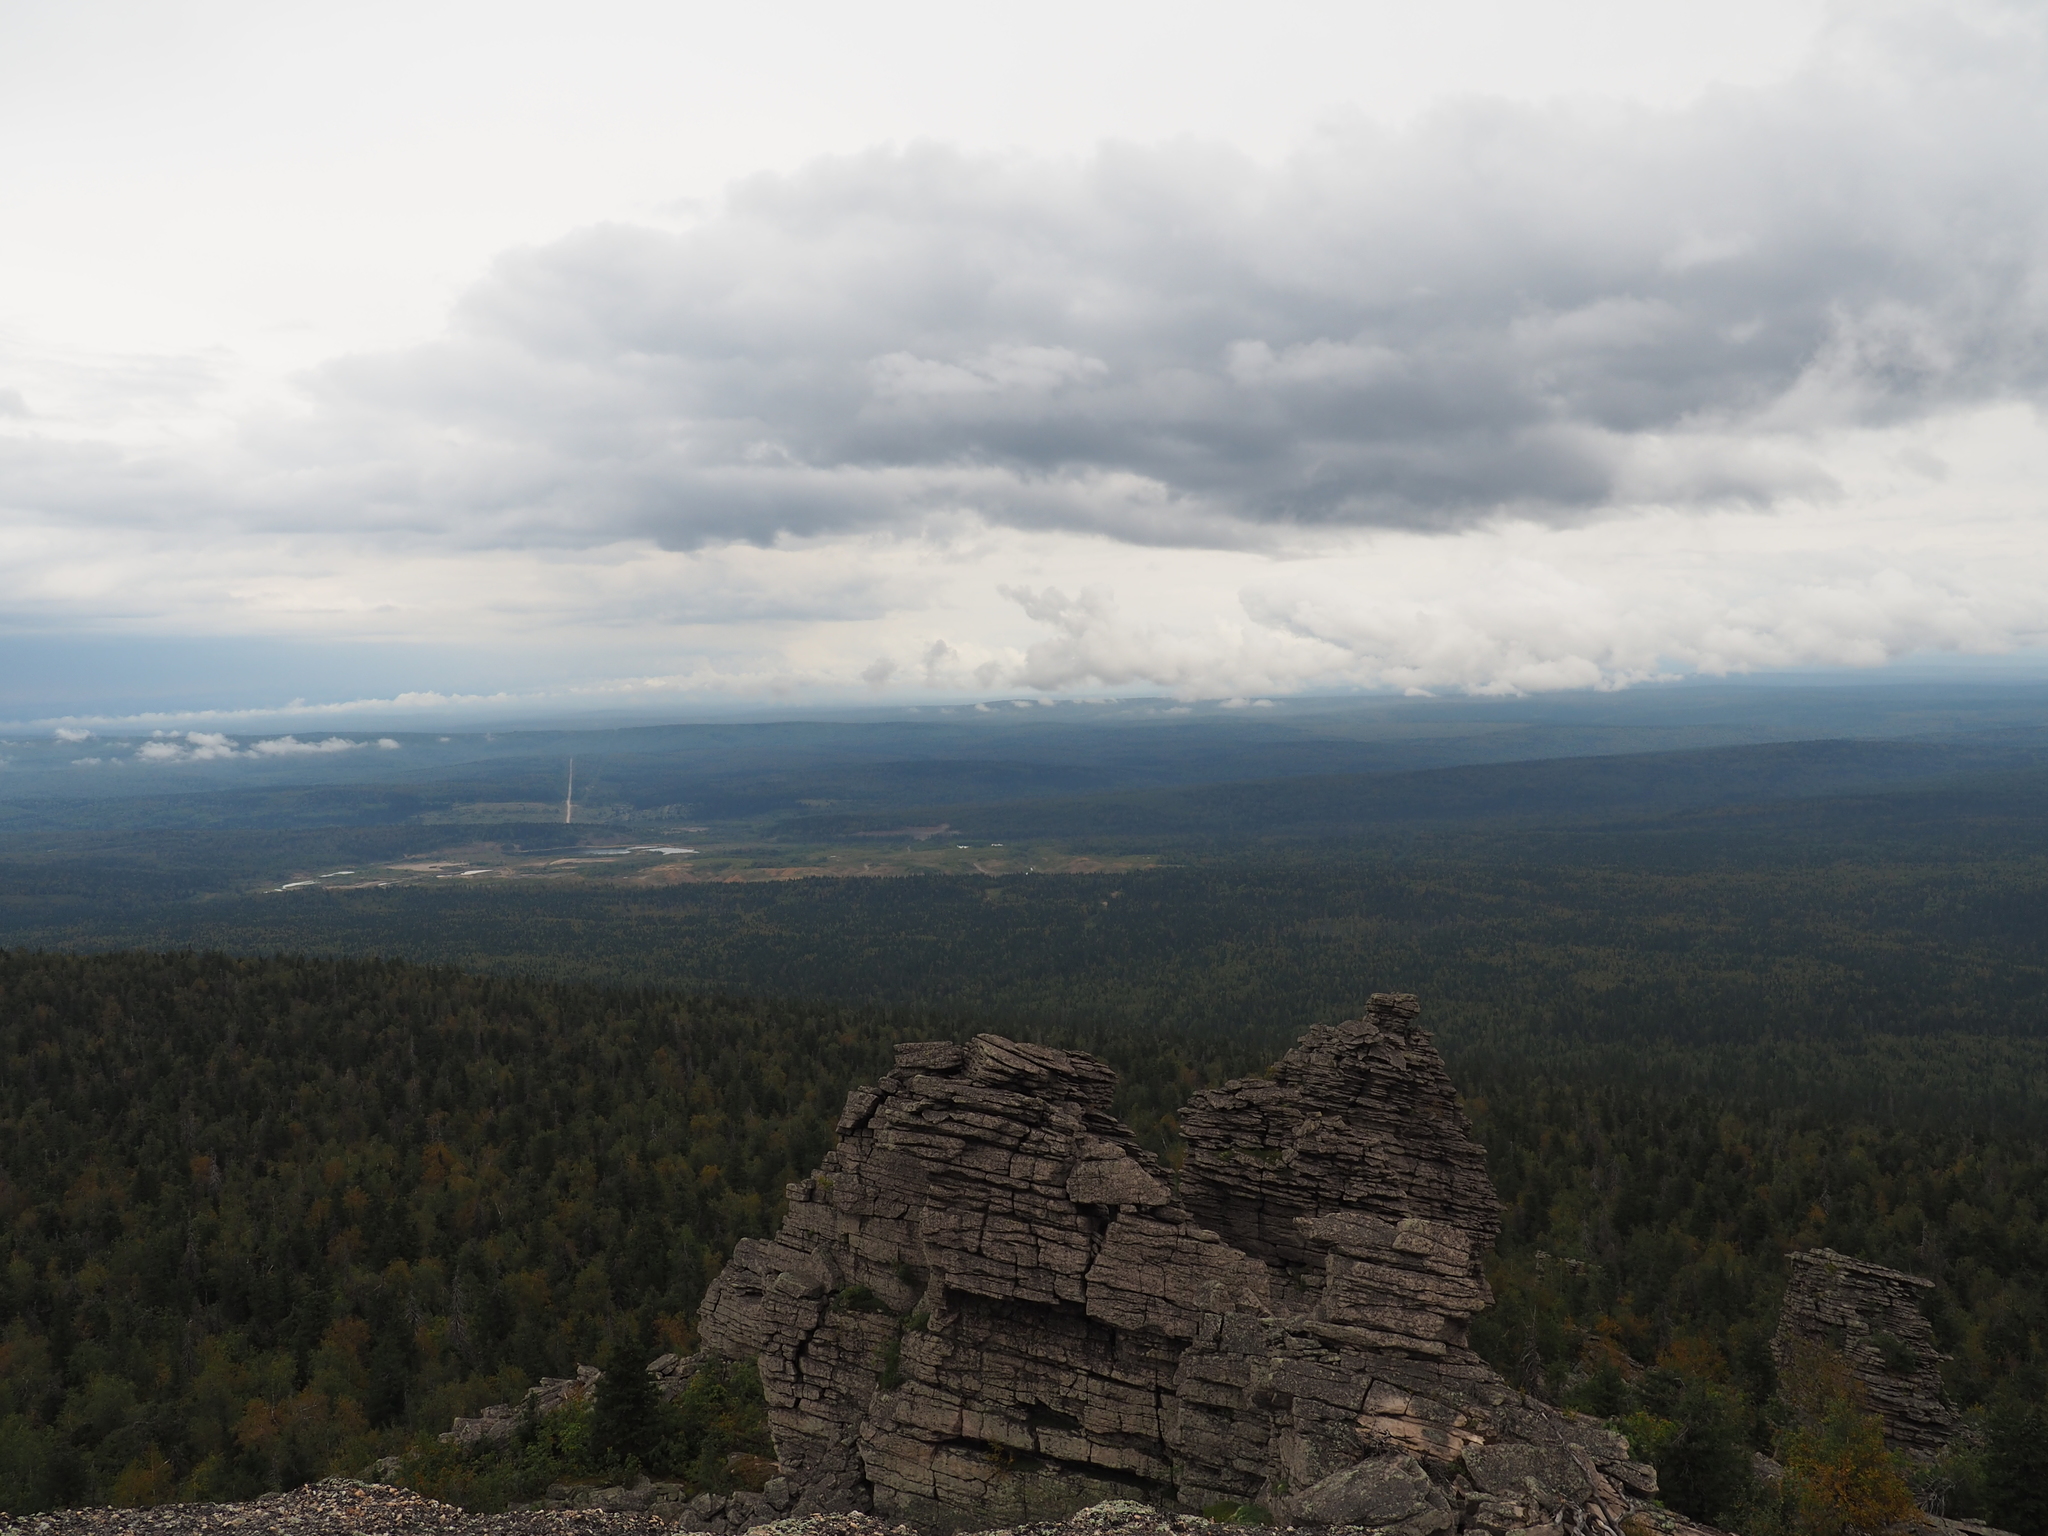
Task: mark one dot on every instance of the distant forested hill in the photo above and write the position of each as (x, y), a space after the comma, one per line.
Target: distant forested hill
(1747, 937)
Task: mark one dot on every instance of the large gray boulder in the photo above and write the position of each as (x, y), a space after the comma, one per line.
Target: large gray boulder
(1389, 1493)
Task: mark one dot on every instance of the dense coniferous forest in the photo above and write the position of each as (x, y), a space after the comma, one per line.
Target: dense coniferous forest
(270, 1208)
(270, 1218)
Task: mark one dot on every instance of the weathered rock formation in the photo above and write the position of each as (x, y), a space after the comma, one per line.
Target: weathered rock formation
(991, 1303)
(1872, 1315)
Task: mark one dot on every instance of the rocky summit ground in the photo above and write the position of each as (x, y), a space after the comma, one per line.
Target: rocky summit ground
(342, 1507)
(339, 1506)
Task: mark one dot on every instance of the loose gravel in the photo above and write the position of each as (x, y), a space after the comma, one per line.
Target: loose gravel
(339, 1506)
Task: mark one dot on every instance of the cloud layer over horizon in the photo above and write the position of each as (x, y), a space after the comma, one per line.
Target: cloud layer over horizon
(897, 414)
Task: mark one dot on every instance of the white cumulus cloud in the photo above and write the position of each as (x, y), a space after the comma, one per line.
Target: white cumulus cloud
(291, 746)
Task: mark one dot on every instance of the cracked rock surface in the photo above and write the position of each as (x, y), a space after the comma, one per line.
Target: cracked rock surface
(991, 1305)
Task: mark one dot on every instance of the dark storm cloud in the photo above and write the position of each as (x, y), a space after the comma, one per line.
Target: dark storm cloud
(1545, 311)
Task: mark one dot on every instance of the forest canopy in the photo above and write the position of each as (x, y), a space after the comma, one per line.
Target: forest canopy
(269, 1218)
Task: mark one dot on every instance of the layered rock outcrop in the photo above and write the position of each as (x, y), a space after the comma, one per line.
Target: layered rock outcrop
(991, 1302)
(1872, 1316)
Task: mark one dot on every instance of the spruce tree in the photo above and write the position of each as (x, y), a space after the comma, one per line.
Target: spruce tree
(627, 1419)
(2016, 1464)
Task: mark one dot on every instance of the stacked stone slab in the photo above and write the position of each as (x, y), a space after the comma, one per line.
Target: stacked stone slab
(991, 1302)
(1859, 1308)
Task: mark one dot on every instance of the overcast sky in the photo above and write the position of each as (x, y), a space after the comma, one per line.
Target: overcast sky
(655, 355)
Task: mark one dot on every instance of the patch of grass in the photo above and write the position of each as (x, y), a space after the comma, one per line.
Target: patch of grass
(1230, 1513)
